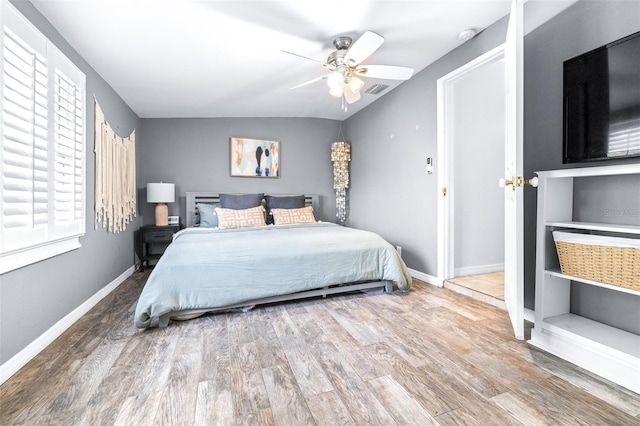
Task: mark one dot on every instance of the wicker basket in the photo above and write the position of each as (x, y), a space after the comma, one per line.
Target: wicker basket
(615, 264)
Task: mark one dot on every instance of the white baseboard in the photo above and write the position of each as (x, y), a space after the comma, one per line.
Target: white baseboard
(480, 269)
(20, 359)
(425, 277)
(606, 361)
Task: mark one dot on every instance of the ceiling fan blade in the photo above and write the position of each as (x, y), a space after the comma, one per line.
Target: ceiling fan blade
(387, 72)
(363, 47)
(324, 64)
(303, 57)
(322, 77)
(350, 95)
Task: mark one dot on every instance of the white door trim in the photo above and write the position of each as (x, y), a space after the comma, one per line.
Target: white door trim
(445, 269)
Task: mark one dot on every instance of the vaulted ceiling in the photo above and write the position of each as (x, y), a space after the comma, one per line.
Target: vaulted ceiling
(212, 58)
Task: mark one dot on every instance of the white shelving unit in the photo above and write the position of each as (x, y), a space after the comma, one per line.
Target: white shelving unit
(604, 350)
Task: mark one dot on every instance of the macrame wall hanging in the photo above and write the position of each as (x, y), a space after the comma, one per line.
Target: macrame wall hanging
(341, 156)
(115, 190)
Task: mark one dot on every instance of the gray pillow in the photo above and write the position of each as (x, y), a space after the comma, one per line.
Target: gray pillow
(208, 217)
(284, 202)
(240, 201)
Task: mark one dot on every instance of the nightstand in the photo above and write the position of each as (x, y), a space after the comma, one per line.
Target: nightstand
(151, 241)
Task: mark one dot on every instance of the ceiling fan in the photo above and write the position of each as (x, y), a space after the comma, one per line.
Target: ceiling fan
(345, 64)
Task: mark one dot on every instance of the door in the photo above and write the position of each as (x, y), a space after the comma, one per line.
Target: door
(451, 91)
(513, 196)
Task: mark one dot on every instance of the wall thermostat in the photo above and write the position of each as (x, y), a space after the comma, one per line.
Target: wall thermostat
(429, 165)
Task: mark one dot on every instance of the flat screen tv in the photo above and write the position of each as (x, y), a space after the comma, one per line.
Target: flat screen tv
(602, 103)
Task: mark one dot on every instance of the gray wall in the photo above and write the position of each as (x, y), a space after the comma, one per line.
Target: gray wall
(194, 154)
(478, 155)
(584, 26)
(391, 193)
(34, 298)
(391, 138)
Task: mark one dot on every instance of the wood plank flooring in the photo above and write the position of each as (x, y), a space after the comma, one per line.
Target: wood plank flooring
(427, 357)
(491, 283)
(488, 287)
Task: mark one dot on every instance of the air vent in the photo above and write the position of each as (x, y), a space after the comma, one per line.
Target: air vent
(376, 89)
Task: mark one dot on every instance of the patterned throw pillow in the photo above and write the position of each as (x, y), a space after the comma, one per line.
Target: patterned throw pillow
(282, 202)
(247, 218)
(293, 216)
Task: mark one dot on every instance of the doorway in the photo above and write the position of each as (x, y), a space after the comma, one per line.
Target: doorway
(472, 104)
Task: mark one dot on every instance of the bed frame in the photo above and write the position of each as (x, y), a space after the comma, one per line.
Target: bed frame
(192, 198)
(163, 320)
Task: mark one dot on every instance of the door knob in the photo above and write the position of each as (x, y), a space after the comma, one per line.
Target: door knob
(533, 182)
(504, 182)
(517, 181)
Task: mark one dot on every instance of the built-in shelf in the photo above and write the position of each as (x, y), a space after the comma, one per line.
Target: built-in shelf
(605, 350)
(611, 337)
(592, 226)
(556, 273)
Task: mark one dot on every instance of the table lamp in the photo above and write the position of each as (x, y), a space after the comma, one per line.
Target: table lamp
(161, 193)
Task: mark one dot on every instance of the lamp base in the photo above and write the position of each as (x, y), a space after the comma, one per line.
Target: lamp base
(162, 214)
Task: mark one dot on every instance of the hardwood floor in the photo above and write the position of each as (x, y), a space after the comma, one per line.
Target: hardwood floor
(488, 287)
(491, 284)
(430, 356)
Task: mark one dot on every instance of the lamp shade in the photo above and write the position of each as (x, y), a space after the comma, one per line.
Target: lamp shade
(161, 192)
(355, 84)
(335, 80)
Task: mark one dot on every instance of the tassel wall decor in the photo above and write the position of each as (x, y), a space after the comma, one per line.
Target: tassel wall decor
(115, 191)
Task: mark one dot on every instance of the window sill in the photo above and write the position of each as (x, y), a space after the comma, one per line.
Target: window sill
(19, 259)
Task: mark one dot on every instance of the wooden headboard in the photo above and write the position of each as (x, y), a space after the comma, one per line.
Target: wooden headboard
(194, 198)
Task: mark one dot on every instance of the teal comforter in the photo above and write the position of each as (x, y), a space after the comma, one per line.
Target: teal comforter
(208, 268)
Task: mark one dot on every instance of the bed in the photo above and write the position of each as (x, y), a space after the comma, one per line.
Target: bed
(209, 269)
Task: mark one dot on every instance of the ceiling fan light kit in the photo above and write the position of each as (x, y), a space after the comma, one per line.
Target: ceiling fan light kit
(336, 91)
(344, 64)
(355, 84)
(335, 80)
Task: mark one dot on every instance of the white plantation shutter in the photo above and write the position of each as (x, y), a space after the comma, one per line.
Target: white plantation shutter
(24, 144)
(69, 150)
(43, 146)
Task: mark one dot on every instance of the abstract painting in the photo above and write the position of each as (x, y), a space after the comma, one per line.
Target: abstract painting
(255, 158)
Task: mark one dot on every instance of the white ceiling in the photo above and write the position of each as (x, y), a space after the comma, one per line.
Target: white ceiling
(214, 58)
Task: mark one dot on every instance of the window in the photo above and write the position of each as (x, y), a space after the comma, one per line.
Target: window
(42, 183)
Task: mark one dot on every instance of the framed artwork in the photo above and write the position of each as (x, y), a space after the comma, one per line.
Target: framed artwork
(255, 158)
